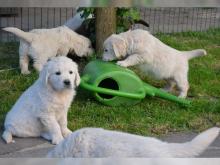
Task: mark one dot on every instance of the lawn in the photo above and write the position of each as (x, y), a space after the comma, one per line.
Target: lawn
(150, 117)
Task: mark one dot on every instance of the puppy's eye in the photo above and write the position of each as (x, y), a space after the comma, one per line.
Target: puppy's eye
(90, 46)
(70, 72)
(58, 73)
(106, 50)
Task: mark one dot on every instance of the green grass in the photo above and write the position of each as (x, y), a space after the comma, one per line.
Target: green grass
(152, 115)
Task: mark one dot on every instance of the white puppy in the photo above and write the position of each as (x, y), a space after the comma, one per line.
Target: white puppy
(96, 142)
(151, 56)
(42, 44)
(42, 108)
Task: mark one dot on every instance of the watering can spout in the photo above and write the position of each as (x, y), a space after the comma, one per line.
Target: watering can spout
(152, 91)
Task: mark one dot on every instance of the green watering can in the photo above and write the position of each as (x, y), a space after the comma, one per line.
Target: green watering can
(114, 85)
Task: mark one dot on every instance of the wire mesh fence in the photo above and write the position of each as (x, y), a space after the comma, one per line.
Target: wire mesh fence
(164, 20)
(169, 20)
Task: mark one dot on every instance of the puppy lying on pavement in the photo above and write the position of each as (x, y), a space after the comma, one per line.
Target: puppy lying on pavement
(42, 108)
(151, 56)
(96, 142)
(42, 44)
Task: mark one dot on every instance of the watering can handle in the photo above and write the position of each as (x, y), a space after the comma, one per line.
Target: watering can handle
(90, 87)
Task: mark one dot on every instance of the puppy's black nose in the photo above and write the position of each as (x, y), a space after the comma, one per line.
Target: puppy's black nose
(66, 82)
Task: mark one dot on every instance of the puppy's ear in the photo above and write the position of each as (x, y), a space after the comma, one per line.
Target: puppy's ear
(78, 50)
(117, 54)
(77, 79)
(75, 42)
(119, 46)
(44, 75)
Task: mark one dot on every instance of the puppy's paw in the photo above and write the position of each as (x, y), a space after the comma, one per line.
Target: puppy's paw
(25, 72)
(57, 140)
(122, 63)
(66, 132)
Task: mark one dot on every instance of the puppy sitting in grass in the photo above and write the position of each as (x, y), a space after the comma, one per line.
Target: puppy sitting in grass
(42, 108)
(152, 57)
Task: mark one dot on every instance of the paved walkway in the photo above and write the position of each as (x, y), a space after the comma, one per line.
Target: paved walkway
(25, 147)
(37, 147)
(212, 152)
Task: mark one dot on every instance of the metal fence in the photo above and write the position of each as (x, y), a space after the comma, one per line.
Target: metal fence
(169, 20)
(165, 20)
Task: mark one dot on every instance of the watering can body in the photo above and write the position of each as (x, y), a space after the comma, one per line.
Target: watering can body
(113, 85)
(110, 76)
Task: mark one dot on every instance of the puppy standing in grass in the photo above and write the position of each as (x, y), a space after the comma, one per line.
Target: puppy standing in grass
(151, 56)
(42, 44)
(42, 108)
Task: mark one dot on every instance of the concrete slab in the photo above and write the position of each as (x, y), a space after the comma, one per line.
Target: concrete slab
(38, 151)
(25, 147)
(213, 151)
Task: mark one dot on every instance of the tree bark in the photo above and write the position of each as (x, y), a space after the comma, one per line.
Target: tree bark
(105, 26)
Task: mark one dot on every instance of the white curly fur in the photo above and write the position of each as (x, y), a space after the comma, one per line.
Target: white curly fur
(151, 56)
(42, 108)
(97, 142)
(42, 44)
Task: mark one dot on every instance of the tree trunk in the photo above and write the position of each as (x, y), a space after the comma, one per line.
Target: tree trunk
(105, 26)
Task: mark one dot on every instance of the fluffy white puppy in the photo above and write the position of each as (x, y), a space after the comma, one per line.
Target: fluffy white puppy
(151, 56)
(42, 108)
(96, 142)
(42, 44)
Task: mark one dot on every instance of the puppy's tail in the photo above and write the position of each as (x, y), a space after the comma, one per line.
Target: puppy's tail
(75, 22)
(196, 146)
(194, 53)
(141, 21)
(7, 136)
(28, 37)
